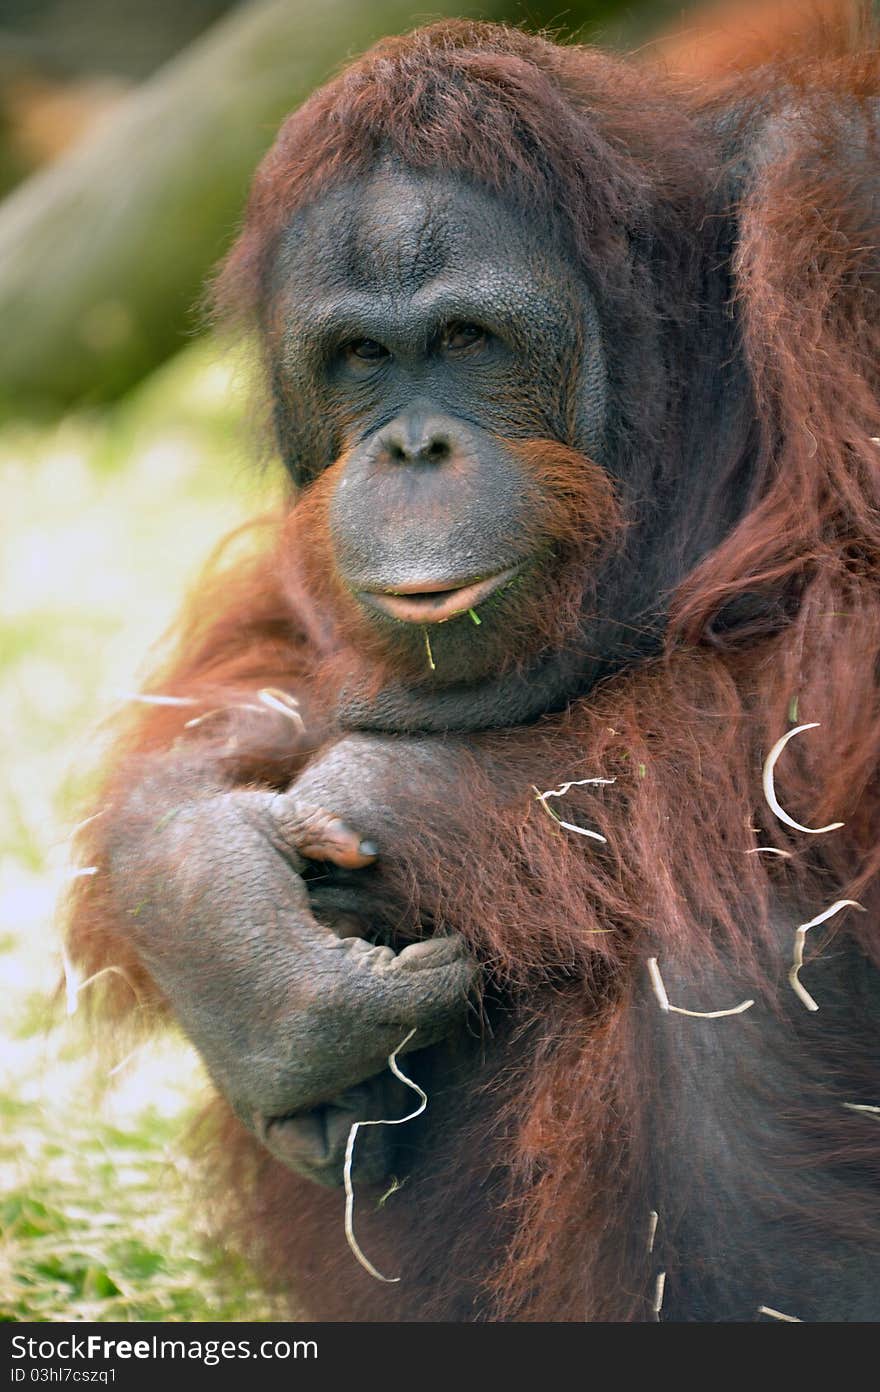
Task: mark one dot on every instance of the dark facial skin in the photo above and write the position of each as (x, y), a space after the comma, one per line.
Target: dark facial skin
(419, 331)
(376, 293)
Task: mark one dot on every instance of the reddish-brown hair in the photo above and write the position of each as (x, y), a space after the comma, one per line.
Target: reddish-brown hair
(554, 1184)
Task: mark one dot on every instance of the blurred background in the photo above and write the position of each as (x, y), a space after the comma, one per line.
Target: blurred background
(128, 134)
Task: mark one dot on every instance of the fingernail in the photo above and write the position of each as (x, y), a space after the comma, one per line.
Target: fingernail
(368, 848)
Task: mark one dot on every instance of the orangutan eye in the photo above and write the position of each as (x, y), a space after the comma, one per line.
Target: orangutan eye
(457, 336)
(367, 349)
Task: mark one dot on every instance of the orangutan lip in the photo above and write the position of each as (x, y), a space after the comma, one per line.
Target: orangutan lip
(432, 602)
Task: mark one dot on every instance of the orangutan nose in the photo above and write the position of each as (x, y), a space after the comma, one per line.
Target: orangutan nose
(418, 439)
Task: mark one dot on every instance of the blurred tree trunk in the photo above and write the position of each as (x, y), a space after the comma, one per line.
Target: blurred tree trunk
(102, 254)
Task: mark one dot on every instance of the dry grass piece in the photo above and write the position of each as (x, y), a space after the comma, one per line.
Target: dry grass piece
(73, 986)
(283, 702)
(560, 792)
(660, 993)
(223, 710)
(145, 700)
(123, 1062)
(800, 938)
(87, 821)
(778, 1315)
(770, 790)
(272, 698)
(349, 1157)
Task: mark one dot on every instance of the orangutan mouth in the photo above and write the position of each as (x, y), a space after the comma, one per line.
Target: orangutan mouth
(435, 601)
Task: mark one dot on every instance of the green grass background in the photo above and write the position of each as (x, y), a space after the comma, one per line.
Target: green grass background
(105, 521)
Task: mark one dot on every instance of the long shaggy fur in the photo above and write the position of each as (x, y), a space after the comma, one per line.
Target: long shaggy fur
(532, 1199)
